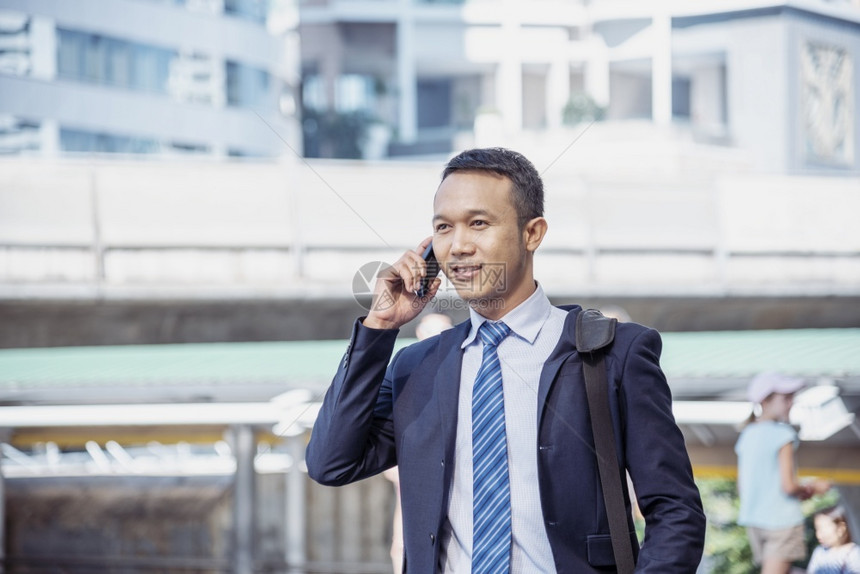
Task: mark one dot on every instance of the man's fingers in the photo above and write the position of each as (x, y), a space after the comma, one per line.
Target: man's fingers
(411, 268)
(423, 245)
(408, 271)
(434, 288)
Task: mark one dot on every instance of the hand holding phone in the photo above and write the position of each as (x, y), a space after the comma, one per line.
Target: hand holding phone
(433, 269)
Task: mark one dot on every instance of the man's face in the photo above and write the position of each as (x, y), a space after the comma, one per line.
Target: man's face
(478, 242)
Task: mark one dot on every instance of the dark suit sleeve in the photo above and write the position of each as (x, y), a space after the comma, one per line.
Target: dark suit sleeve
(659, 465)
(353, 437)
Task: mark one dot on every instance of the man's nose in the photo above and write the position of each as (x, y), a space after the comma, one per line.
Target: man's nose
(462, 243)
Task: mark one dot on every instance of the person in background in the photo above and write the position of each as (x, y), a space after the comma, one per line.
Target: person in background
(429, 325)
(836, 552)
(770, 492)
(432, 324)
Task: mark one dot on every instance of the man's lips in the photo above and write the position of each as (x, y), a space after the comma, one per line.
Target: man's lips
(463, 271)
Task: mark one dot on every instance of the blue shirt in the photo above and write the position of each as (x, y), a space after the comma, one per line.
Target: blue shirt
(536, 327)
(764, 504)
(843, 560)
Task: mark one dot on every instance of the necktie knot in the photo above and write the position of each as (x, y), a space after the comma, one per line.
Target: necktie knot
(493, 333)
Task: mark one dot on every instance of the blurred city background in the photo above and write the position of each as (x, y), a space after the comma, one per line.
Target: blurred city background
(190, 188)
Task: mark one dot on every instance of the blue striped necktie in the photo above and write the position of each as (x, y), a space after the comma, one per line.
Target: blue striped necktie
(491, 533)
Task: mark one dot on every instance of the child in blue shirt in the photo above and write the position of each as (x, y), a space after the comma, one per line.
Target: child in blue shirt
(769, 491)
(836, 553)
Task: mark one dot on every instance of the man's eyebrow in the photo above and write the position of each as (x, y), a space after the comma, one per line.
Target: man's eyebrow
(469, 213)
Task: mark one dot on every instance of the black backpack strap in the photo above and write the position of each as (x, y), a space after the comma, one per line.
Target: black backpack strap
(593, 333)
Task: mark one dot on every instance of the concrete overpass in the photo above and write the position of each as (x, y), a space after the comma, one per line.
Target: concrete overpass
(683, 236)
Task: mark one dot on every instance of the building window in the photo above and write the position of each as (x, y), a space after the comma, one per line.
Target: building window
(247, 87)
(434, 103)
(188, 149)
(630, 92)
(92, 142)
(681, 97)
(253, 10)
(355, 93)
(313, 93)
(101, 60)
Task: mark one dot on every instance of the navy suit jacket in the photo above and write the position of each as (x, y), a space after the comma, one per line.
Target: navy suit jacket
(378, 414)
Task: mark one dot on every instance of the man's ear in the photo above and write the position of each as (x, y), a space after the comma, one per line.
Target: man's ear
(534, 232)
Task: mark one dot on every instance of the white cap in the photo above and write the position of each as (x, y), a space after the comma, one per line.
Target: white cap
(765, 384)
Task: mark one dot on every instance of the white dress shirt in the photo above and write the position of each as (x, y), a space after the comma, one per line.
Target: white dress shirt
(535, 330)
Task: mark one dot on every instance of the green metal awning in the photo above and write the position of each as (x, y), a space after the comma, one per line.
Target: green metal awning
(713, 367)
(217, 363)
(692, 356)
(803, 352)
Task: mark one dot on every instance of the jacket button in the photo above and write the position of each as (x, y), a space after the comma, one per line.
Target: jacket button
(443, 464)
(432, 539)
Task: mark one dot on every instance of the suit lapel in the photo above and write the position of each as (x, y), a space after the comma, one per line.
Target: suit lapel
(446, 384)
(563, 349)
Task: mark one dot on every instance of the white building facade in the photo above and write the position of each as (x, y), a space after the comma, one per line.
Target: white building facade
(775, 79)
(169, 77)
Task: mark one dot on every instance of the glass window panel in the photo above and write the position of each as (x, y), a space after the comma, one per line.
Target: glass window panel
(254, 10)
(70, 54)
(354, 93)
(246, 86)
(145, 69)
(93, 58)
(313, 93)
(232, 83)
(118, 64)
(113, 62)
(84, 141)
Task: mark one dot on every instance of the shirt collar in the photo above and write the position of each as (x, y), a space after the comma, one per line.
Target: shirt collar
(525, 320)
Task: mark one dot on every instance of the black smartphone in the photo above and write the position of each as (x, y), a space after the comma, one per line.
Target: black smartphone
(432, 270)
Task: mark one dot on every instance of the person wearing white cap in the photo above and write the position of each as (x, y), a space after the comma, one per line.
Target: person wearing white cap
(769, 490)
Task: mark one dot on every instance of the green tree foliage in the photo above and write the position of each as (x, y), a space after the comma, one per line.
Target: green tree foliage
(581, 108)
(727, 549)
(334, 134)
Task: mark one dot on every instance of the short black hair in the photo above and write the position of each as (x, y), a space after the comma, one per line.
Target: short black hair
(527, 184)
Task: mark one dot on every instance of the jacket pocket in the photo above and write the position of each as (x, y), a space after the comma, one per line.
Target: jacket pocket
(599, 548)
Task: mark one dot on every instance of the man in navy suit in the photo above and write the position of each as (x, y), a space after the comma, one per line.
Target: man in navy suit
(415, 410)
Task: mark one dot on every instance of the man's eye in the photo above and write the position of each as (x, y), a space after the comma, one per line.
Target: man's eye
(441, 227)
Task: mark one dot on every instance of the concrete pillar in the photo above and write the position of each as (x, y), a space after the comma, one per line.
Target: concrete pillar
(509, 82)
(294, 181)
(49, 137)
(295, 512)
(407, 74)
(2, 515)
(557, 91)
(488, 90)
(244, 449)
(661, 70)
(330, 69)
(43, 62)
(43, 48)
(596, 73)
